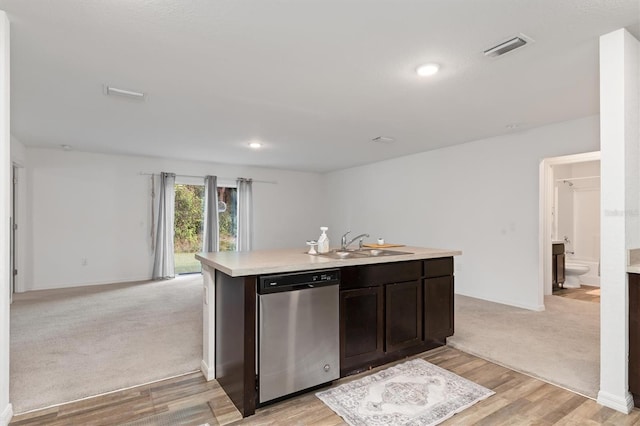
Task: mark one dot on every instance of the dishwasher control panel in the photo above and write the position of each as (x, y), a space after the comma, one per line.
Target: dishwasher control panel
(297, 280)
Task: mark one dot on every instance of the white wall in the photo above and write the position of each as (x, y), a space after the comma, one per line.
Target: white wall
(5, 165)
(97, 207)
(18, 152)
(620, 164)
(480, 197)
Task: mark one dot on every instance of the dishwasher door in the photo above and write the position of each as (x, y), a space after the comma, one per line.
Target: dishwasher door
(298, 340)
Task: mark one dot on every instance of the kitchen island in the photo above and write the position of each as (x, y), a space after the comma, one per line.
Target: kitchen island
(390, 307)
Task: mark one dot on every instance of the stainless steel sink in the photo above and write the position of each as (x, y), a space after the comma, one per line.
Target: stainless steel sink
(379, 252)
(343, 254)
(359, 254)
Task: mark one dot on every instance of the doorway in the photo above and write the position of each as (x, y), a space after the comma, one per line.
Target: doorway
(561, 178)
(189, 224)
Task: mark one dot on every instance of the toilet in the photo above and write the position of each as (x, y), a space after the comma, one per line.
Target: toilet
(572, 273)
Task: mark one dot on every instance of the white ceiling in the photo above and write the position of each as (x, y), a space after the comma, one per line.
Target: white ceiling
(314, 80)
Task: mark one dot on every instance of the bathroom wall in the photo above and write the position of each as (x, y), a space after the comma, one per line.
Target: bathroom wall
(578, 214)
(563, 203)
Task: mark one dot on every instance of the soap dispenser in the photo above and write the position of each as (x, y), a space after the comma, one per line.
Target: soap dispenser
(323, 241)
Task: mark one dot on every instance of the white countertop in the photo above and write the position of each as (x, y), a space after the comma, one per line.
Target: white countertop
(238, 264)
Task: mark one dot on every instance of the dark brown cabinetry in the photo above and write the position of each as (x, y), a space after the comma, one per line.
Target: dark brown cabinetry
(361, 325)
(438, 302)
(403, 315)
(557, 265)
(393, 310)
(438, 299)
(634, 337)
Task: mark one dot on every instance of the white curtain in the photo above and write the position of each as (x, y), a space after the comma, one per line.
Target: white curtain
(211, 227)
(245, 214)
(163, 264)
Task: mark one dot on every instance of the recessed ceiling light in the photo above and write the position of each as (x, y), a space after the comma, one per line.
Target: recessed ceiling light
(66, 147)
(255, 145)
(427, 69)
(512, 126)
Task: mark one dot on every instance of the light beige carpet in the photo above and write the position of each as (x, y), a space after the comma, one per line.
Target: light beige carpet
(72, 343)
(560, 345)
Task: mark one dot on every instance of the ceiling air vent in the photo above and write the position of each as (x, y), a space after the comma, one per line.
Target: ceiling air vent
(507, 46)
(383, 139)
(114, 91)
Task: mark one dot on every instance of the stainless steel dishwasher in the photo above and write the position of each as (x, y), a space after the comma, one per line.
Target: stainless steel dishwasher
(298, 332)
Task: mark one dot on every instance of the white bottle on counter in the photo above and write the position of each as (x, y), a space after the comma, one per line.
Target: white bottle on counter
(323, 241)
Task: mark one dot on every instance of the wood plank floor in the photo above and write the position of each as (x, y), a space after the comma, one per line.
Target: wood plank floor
(190, 400)
(585, 292)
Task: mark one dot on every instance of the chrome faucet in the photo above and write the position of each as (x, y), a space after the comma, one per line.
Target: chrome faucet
(344, 244)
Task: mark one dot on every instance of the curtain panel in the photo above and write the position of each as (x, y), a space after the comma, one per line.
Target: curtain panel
(210, 233)
(245, 214)
(163, 264)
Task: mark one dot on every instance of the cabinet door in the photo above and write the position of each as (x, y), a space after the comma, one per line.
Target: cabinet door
(634, 337)
(438, 307)
(403, 315)
(560, 269)
(361, 327)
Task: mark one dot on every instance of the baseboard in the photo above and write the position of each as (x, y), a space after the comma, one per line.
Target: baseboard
(622, 404)
(537, 308)
(7, 415)
(209, 372)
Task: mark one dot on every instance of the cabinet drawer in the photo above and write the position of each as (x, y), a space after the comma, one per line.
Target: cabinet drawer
(438, 267)
(379, 274)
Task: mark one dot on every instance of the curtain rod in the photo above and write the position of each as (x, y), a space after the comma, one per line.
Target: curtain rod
(219, 177)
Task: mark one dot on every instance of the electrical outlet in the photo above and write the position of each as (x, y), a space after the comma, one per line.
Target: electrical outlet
(84, 261)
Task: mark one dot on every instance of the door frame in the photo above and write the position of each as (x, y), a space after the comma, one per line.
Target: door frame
(18, 212)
